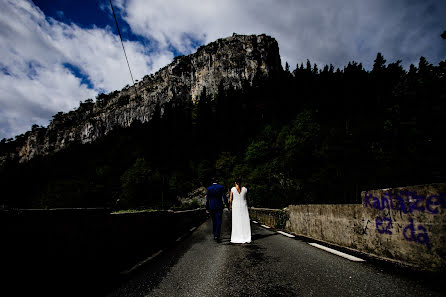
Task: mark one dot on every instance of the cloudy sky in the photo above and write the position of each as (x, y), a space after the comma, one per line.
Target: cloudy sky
(55, 53)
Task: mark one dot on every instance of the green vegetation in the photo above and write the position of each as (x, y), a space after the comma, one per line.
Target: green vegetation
(311, 136)
(282, 218)
(194, 204)
(132, 211)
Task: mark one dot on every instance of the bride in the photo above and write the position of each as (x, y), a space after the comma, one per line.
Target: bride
(241, 228)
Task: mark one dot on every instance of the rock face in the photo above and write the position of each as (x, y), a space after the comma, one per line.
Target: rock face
(195, 198)
(229, 62)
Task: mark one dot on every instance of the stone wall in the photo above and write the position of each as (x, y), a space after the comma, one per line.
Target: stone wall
(82, 251)
(406, 224)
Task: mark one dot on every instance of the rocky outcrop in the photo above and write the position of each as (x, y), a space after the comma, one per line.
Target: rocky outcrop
(229, 63)
(196, 198)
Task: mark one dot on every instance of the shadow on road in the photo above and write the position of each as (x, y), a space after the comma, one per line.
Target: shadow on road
(255, 237)
(226, 240)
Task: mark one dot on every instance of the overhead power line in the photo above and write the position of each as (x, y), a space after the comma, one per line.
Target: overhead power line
(122, 43)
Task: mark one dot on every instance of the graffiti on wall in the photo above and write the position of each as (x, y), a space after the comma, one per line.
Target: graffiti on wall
(394, 205)
(361, 227)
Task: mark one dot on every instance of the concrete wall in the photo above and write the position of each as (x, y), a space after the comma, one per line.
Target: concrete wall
(405, 224)
(82, 250)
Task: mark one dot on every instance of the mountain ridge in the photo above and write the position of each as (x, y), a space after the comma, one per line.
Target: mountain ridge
(229, 62)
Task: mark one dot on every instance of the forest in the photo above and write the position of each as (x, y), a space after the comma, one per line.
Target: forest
(313, 135)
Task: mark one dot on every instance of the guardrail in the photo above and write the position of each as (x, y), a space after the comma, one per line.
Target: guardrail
(405, 225)
(75, 250)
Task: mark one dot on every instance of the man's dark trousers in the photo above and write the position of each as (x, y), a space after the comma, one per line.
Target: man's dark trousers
(216, 216)
(215, 202)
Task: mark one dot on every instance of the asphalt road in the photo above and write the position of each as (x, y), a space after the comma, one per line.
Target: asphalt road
(271, 265)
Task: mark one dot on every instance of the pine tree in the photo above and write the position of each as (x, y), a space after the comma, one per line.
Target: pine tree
(379, 64)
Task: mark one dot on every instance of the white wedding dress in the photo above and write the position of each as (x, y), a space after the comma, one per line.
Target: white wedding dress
(241, 226)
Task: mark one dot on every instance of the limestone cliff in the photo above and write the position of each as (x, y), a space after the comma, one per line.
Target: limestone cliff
(230, 62)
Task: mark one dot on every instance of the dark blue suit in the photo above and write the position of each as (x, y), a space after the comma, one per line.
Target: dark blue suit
(215, 197)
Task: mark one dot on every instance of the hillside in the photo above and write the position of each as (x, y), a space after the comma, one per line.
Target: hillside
(314, 135)
(231, 62)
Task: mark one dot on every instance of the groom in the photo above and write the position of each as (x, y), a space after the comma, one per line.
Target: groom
(215, 197)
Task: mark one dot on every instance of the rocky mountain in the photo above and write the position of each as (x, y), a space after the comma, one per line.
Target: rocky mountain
(229, 63)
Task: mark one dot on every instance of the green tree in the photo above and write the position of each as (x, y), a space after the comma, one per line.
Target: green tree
(379, 64)
(224, 166)
(205, 172)
(140, 185)
(257, 151)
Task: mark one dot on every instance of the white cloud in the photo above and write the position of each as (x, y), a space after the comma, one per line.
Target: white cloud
(33, 100)
(325, 31)
(34, 84)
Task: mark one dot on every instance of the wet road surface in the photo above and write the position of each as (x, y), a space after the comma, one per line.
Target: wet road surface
(271, 265)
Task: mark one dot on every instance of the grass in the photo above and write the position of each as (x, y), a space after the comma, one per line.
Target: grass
(134, 210)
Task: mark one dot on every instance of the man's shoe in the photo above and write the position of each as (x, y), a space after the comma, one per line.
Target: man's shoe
(215, 238)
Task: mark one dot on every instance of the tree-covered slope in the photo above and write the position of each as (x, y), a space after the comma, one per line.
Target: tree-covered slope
(317, 135)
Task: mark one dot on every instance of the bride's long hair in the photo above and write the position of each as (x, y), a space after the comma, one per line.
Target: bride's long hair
(238, 181)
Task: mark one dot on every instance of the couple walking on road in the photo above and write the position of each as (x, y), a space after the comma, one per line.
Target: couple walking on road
(215, 201)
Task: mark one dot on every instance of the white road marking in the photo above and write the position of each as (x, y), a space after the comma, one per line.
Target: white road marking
(255, 222)
(142, 262)
(338, 253)
(265, 226)
(286, 234)
(181, 237)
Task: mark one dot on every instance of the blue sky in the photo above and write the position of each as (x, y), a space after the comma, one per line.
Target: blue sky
(88, 15)
(57, 53)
